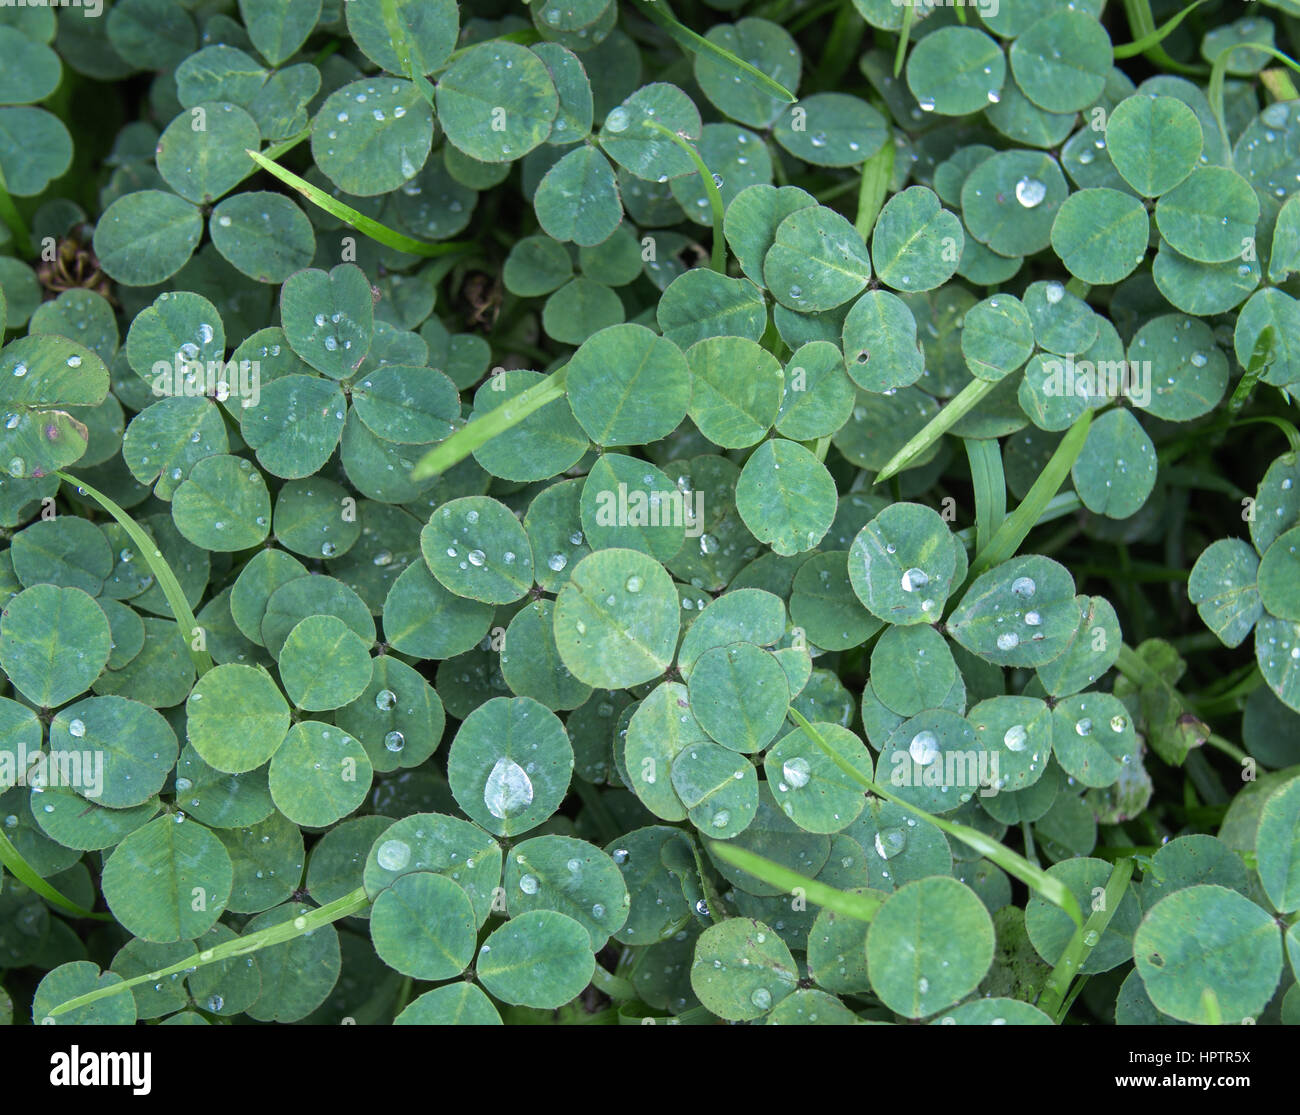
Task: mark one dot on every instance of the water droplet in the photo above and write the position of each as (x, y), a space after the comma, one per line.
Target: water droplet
(1030, 192)
(914, 579)
(633, 583)
(1008, 640)
(721, 818)
(618, 120)
(528, 884)
(476, 557)
(508, 789)
(1083, 727)
(1015, 737)
(394, 741)
(1053, 292)
(393, 855)
(1118, 723)
(889, 842)
(924, 748)
(796, 771)
(556, 562)
(1024, 586)
(385, 699)
(76, 728)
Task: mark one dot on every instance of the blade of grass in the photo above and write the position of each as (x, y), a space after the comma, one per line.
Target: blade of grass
(158, 566)
(10, 215)
(1055, 993)
(657, 12)
(1154, 38)
(1263, 355)
(300, 926)
(21, 870)
(1218, 74)
(862, 907)
(1142, 23)
(1042, 884)
(718, 260)
(402, 45)
(904, 33)
(359, 221)
(1279, 85)
(956, 408)
(990, 488)
(876, 173)
(1026, 516)
(483, 429)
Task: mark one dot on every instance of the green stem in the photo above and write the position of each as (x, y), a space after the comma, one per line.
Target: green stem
(158, 566)
(1156, 37)
(657, 12)
(487, 426)
(1047, 886)
(1085, 939)
(300, 926)
(617, 988)
(956, 409)
(1040, 495)
(21, 870)
(718, 260)
(10, 215)
(359, 221)
(876, 174)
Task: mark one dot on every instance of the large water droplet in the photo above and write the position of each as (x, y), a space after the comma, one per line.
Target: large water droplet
(393, 855)
(924, 748)
(796, 771)
(508, 789)
(1030, 192)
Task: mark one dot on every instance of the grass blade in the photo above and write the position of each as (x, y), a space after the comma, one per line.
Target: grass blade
(380, 233)
(863, 907)
(1026, 516)
(684, 37)
(483, 429)
(402, 45)
(1156, 37)
(1260, 359)
(876, 173)
(904, 33)
(1055, 997)
(1142, 23)
(957, 408)
(1034, 877)
(990, 488)
(346, 906)
(10, 215)
(1219, 72)
(718, 260)
(158, 566)
(21, 870)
